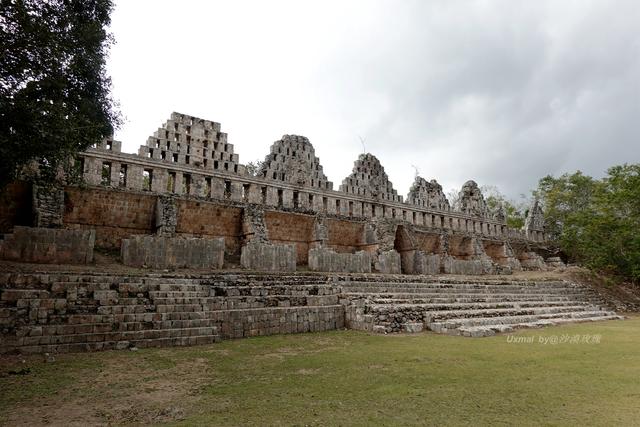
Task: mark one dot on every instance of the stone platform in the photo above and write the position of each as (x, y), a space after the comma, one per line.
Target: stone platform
(473, 309)
(73, 311)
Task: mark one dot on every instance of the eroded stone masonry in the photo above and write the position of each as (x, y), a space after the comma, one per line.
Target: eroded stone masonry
(187, 182)
(185, 201)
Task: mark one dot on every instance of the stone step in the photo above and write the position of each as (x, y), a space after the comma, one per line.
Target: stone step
(460, 285)
(499, 290)
(298, 290)
(412, 281)
(435, 316)
(455, 324)
(187, 315)
(269, 300)
(490, 330)
(429, 299)
(448, 308)
(390, 320)
(220, 305)
(457, 284)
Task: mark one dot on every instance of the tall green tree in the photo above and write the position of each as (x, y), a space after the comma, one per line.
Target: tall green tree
(596, 222)
(616, 223)
(54, 90)
(567, 202)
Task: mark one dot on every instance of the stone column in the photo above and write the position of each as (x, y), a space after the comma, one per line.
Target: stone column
(166, 216)
(198, 187)
(134, 177)
(217, 188)
(287, 198)
(272, 196)
(236, 191)
(255, 194)
(159, 181)
(48, 206)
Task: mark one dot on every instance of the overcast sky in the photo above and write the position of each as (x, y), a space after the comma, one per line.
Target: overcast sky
(502, 92)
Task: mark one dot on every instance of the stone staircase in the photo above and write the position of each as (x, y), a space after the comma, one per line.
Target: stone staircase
(62, 312)
(473, 309)
(71, 312)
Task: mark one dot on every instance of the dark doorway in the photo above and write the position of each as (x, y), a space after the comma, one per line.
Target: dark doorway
(406, 247)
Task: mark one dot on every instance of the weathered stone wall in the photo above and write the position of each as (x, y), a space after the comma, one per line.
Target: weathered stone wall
(388, 262)
(451, 265)
(114, 215)
(254, 227)
(187, 181)
(291, 229)
(368, 178)
(48, 206)
(268, 257)
(166, 216)
(48, 245)
(345, 236)
(471, 200)
(430, 243)
(206, 219)
(323, 259)
(531, 261)
(189, 140)
(173, 252)
(191, 157)
(461, 247)
(426, 263)
(501, 254)
(292, 159)
(428, 194)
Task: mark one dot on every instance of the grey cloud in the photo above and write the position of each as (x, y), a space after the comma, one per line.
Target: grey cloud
(526, 93)
(502, 92)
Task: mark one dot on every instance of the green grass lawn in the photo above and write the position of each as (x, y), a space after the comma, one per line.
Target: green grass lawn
(341, 378)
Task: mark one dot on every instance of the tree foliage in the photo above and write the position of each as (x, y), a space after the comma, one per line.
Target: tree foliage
(253, 167)
(515, 211)
(596, 222)
(54, 91)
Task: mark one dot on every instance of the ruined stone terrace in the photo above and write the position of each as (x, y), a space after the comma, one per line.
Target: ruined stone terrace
(191, 156)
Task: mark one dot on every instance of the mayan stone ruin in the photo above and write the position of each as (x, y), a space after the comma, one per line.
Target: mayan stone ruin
(276, 249)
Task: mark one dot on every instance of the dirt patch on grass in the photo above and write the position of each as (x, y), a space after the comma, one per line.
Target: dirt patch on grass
(305, 371)
(124, 390)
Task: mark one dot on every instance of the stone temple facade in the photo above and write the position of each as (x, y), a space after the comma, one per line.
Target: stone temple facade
(369, 179)
(365, 258)
(428, 194)
(187, 183)
(293, 160)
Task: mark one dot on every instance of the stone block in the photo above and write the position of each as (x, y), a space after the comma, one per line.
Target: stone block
(166, 216)
(413, 327)
(172, 252)
(48, 245)
(452, 265)
(388, 262)
(268, 257)
(323, 259)
(532, 261)
(426, 263)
